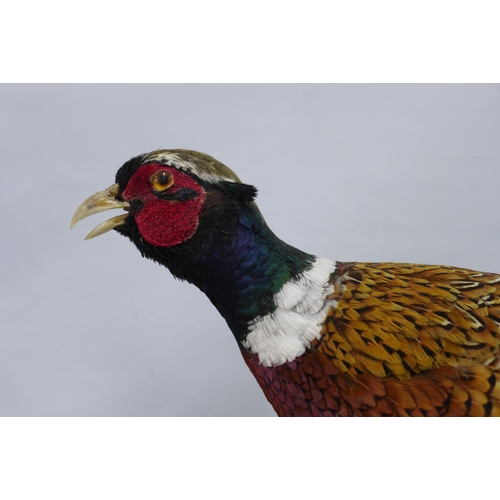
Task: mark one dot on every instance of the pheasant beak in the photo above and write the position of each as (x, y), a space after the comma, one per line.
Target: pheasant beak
(99, 202)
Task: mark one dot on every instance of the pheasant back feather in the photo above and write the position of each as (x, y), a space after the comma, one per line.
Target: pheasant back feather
(399, 339)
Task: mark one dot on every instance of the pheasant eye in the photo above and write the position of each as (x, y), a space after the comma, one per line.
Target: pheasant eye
(161, 180)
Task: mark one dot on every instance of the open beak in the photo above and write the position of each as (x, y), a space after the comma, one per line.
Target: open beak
(99, 202)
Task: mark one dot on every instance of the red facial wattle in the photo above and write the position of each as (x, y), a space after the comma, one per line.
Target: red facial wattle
(164, 222)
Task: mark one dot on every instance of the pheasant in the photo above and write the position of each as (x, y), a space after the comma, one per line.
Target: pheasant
(322, 338)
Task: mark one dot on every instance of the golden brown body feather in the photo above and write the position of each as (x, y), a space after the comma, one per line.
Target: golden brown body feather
(402, 339)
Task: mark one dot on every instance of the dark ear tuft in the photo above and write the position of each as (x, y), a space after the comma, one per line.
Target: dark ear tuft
(243, 192)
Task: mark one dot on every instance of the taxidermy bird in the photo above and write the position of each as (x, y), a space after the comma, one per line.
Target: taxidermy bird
(322, 338)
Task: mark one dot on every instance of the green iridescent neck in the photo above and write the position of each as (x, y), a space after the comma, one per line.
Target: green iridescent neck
(241, 274)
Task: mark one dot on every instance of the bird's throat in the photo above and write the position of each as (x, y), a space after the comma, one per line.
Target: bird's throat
(237, 261)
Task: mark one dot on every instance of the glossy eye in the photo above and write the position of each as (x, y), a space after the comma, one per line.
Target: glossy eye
(161, 180)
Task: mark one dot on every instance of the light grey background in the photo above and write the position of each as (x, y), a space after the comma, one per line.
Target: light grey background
(352, 172)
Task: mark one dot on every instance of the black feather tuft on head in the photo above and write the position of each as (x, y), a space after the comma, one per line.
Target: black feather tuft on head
(243, 192)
